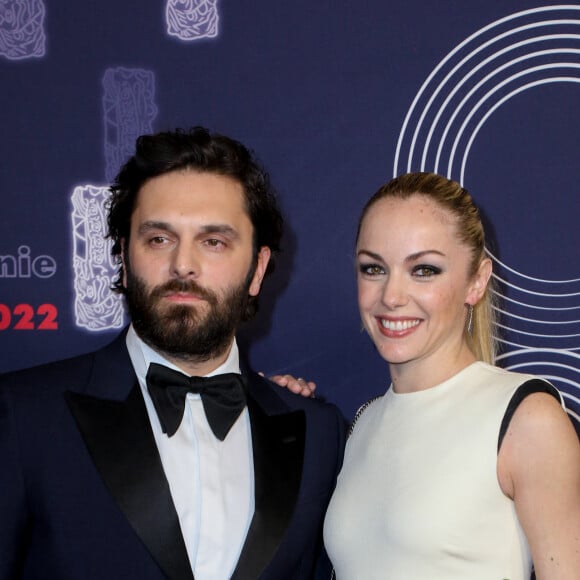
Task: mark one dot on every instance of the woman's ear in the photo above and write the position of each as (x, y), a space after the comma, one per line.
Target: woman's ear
(479, 282)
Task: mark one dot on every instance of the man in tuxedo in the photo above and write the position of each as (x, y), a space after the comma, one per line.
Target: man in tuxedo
(119, 464)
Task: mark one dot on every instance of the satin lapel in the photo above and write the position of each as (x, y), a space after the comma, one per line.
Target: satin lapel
(120, 441)
(278, 447)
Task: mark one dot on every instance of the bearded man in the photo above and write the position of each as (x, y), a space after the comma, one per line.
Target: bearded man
(159, 456)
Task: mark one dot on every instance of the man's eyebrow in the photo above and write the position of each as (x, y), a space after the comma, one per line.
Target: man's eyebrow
(225, 229)
(154, 225)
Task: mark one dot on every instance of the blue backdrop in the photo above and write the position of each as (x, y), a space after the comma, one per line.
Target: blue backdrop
(335, 98)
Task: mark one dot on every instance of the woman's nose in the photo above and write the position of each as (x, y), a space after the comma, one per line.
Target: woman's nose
(395, 291)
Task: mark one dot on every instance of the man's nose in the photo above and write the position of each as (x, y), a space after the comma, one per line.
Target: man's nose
(185, 261)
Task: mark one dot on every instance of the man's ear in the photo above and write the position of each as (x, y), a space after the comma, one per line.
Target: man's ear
(262, 264)
(479, 282)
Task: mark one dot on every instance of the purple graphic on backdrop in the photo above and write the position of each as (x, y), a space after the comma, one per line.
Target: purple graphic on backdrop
(96, 306)
(21, 29)
(192, 19)
(513, 55)
(128, 111)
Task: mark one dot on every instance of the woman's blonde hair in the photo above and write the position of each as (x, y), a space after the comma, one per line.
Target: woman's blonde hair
(450, 196)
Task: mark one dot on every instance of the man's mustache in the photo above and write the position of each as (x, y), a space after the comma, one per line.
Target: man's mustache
(186, 287)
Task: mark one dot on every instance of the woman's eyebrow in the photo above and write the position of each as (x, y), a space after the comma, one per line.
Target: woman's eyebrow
(370, 255)
(410, 258)
(418, 255)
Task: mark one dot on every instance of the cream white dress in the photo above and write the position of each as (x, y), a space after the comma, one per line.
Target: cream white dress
(418, 496)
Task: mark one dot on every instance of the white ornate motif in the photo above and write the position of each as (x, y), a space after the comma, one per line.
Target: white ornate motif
(192, 19)
(96, 306)
(128, 111)
(21, 29)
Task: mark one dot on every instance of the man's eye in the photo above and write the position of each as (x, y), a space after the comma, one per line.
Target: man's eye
(157, 240)
(371, 269)
(214, 243)
(425, 271)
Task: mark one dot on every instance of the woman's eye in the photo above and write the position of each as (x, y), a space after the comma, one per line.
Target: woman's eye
(425, 271)
(371, 269)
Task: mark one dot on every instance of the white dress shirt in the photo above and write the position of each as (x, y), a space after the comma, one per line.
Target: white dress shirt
(211, 481)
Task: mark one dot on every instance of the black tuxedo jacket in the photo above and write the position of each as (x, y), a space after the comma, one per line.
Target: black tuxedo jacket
(83, 494)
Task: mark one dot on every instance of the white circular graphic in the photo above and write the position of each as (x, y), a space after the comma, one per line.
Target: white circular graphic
(529, 49)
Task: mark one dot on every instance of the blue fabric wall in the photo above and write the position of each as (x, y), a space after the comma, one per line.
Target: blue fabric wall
(335, 98)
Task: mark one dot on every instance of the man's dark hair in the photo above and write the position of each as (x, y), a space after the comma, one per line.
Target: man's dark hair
(199, 150)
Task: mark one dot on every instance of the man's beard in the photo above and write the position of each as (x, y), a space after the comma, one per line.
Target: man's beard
(193, 333)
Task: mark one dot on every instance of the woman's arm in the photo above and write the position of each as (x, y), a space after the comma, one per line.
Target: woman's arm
(539, 468)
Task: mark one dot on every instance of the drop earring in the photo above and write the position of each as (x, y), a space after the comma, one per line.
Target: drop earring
(470, 319)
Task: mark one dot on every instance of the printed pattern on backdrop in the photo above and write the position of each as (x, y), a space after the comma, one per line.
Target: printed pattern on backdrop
(514, 54)
(192, 19)
(22, 33)
(129, 110)
(95, 306)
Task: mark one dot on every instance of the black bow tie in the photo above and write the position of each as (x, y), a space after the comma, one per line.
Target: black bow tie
(223, 398)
